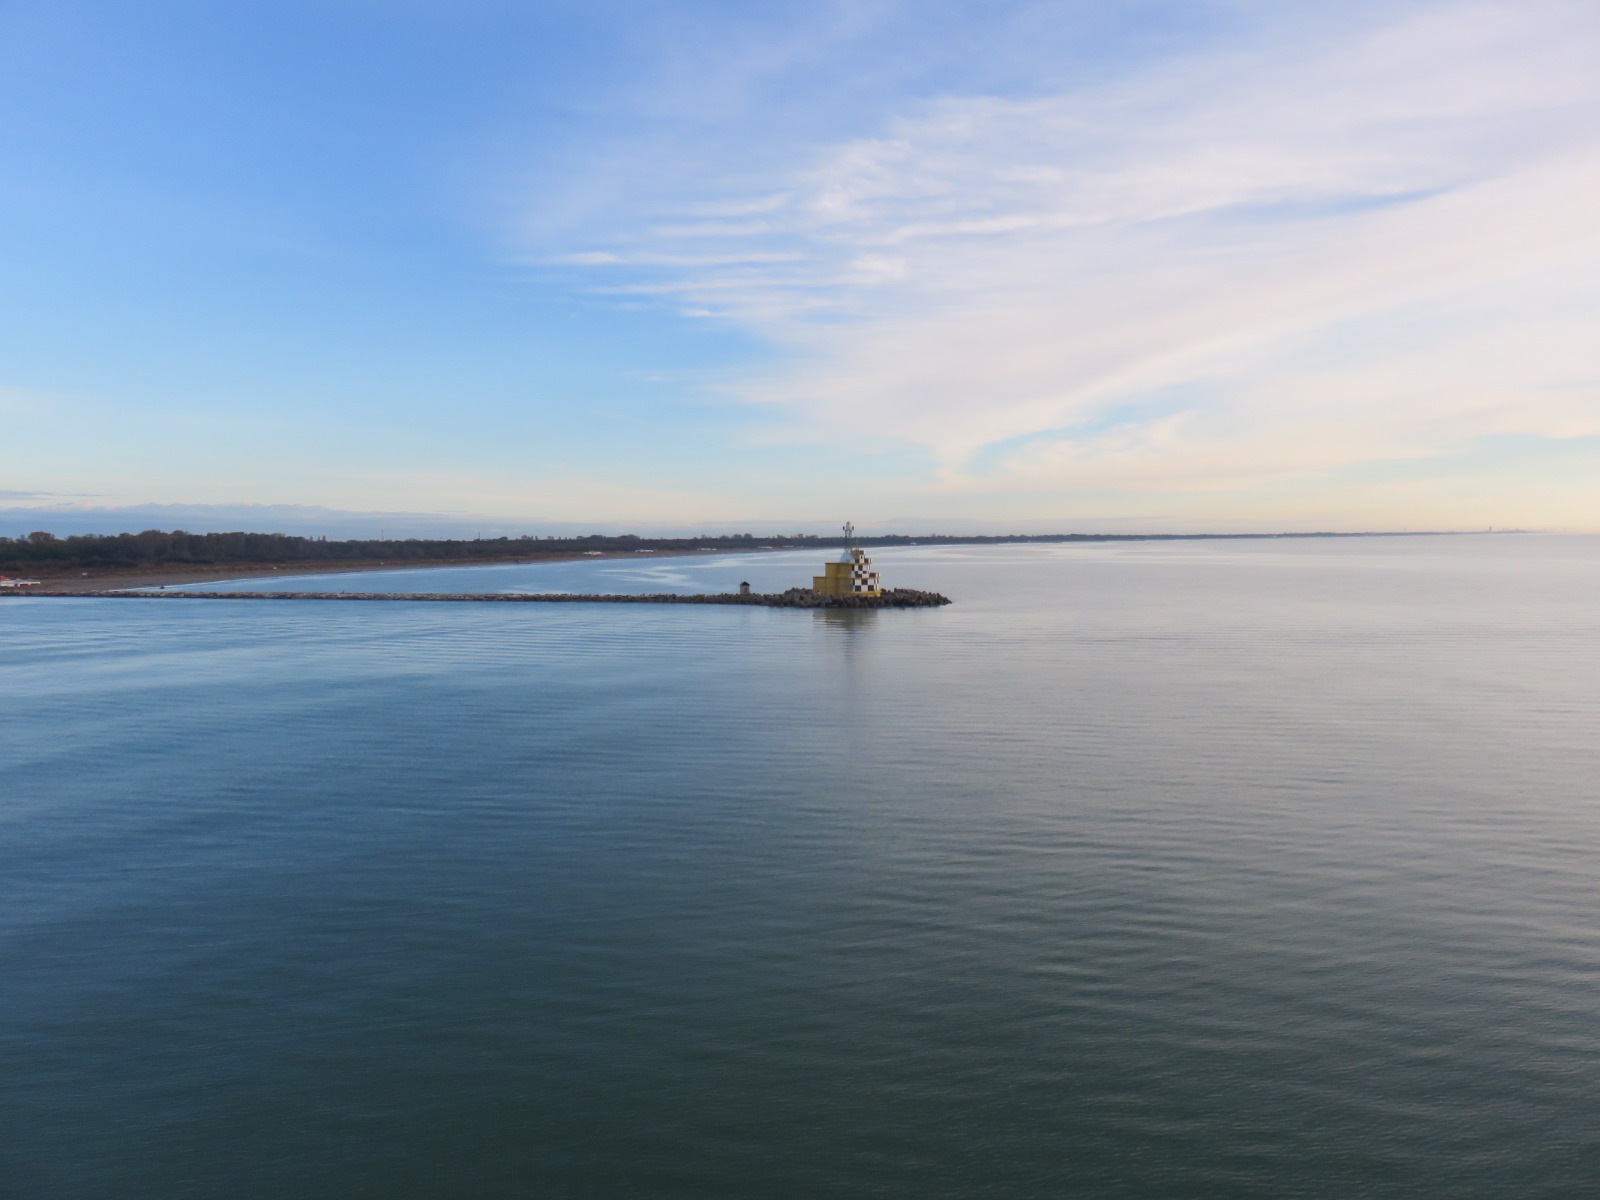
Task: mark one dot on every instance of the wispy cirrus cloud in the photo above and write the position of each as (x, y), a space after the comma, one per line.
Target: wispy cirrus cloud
(1274, 259)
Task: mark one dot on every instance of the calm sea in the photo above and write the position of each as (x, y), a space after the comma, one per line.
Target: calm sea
(1228, 869)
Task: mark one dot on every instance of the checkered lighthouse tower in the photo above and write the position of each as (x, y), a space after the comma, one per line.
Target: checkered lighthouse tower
(851, 575)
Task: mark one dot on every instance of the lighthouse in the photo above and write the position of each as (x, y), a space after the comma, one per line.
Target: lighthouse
(851, 575)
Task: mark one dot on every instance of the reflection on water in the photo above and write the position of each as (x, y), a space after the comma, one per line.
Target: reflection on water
(847, 621)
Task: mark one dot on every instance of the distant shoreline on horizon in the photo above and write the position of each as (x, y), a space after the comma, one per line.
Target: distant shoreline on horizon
(86, 579)
(157, 558)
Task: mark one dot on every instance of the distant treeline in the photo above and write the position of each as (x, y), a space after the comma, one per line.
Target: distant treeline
(154, 547)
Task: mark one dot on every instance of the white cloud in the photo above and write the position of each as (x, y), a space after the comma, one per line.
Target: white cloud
(1268, 262)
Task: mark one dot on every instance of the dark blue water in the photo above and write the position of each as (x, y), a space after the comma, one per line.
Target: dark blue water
(1166, 870)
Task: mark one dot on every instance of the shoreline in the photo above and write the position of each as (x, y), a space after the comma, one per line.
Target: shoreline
(109, 579)
(104, 578)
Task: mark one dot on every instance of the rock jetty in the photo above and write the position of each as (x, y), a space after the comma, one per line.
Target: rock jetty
(793, 598)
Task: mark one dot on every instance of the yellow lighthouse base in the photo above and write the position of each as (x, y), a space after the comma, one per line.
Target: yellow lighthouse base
(852, 575)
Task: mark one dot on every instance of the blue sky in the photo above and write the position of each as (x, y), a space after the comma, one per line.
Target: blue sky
(1166, 265)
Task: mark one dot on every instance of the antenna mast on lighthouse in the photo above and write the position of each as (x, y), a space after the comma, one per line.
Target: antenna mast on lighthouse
(849, 536)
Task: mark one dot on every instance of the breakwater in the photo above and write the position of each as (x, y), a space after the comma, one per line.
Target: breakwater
(793, 598)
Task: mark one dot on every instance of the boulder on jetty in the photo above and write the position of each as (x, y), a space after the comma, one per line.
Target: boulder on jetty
(793, 598)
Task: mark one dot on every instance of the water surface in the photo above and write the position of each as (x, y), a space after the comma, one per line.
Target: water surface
(1222, 869)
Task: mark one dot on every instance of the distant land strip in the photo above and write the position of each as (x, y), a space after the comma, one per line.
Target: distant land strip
(41, 551)
(793, 598)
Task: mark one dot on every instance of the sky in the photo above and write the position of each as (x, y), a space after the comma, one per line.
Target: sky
(951, 266)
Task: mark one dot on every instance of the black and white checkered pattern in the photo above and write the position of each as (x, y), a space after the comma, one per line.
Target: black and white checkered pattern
(862, 577)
